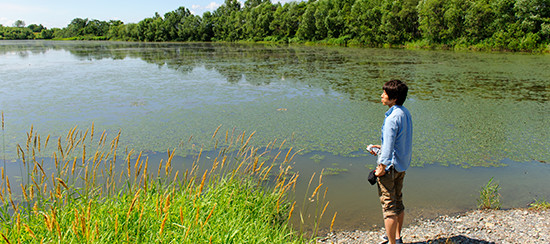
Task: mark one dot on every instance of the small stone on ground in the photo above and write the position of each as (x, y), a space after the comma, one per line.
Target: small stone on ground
(478, 226)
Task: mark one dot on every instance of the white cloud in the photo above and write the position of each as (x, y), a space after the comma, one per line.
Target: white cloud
(213, 6)
(196, 8)
(210, 7)
(286, 1)
(6, 22)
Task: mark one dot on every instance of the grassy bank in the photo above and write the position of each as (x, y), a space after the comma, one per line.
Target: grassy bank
(88, 193)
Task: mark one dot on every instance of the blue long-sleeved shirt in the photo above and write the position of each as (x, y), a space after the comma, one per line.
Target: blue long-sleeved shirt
(396, 139)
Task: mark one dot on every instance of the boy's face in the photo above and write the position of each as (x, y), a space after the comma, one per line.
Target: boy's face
(386, 100)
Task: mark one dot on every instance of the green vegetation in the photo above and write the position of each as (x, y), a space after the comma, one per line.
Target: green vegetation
(334, 171)
(465, 133)
(82, 195)
(489, 198)
(317, 158)
(539, 205)
(516, 25)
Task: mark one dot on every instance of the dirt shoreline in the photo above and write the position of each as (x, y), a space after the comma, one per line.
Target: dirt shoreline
(476, 226)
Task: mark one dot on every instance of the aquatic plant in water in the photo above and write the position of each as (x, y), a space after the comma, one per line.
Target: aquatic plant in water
(539, 204)
(317, 158)
(472, 109)
(334, 171)
(489, 198)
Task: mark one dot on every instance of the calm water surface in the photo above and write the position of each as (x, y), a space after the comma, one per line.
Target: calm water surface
(476, 115)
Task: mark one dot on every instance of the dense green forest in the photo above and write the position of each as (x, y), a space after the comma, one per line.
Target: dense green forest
(516, 25)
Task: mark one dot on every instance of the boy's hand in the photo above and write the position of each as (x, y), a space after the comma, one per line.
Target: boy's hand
(380, 170)
(373, 152)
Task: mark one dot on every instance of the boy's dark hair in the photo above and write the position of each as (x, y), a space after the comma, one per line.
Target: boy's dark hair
(396, 89)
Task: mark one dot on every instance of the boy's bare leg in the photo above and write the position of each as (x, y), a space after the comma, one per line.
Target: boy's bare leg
(400, 219)
(391, 224)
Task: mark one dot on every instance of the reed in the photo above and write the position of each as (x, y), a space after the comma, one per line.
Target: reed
(332, 222)
(313, 207)
(3, 142)
(75, 197)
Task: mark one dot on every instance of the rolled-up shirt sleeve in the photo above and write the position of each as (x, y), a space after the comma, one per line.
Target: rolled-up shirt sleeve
(389, 134)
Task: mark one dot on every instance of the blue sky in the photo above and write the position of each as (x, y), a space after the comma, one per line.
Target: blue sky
(59, 13)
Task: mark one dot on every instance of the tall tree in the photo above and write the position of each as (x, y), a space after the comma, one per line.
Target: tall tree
(228, 21)
(431, 16)
(478, 21)
(286, 19)
(206, 27)
(307, 29)
(75, 28)
(531, 14)
(367, 21)
(19, 23)
(174, 22)
(35, 27)
(455, 10)
(258, 17)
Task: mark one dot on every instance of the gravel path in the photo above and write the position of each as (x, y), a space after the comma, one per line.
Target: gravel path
(478, 226)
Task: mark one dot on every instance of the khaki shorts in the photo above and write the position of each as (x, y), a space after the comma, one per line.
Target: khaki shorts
(389, 190)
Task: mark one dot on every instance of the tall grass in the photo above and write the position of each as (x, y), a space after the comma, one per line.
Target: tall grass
(489, 198)
(87, 192)
(3, 142)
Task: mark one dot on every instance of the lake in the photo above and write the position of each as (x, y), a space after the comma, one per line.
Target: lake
(476, 115)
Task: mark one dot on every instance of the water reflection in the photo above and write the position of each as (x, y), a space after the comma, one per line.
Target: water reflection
(470, 109)
(356, 72)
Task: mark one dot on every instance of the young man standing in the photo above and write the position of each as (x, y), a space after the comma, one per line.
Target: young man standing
(394, 158)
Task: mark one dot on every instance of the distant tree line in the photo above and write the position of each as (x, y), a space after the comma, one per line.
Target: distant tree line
(479, 24)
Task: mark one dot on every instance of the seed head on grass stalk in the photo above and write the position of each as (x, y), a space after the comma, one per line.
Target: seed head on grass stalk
(128, 163)
(166, 204)
(324, 209)
(282, 144)
(8, 184)
(137, 163)
(28, 229)
(132, 204)
(116, 224)
(160, 167)
(291, 211)
(24, 193)
(316, 189)
(209, 215)
(168, 168)
(247, 141)
(332, 222)
(163, 223)
(18, 222)
(197, 215)
(62, 183)
(202, 183)
(2, 196)
(216, 132)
